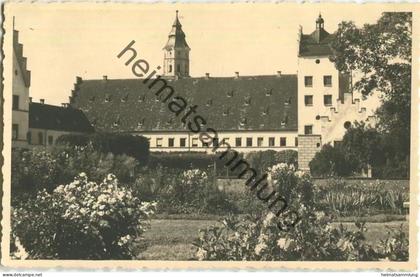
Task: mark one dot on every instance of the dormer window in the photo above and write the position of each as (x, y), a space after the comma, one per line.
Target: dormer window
(140, 123)
(209, 102)
(288, 101)
(265, 111)
(107, 98)
(226, 112)
(269, 92)
(141, 98)
(125, 98)
(116, 122)
(247, 101)
(230, 94)
(243, 122)
(284, 121)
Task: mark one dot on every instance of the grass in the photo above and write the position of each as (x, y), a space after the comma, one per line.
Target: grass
(171, 239)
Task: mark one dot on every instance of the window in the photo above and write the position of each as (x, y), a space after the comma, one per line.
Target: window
(249, 142)
(170, 68)
(15, 131)
(182, 142)
(271, 141)
(296, 141)
(260, 142)
(308, 81)
(309, 100)
(205, 144)
(50, 140)
(159, 142)
(171, 142)
(327, 100)
(40, 138)
(15, 104)
(29, 137)
(327, 81)
(194, 142)
(282, 141)
(308, 129)
(238, 142)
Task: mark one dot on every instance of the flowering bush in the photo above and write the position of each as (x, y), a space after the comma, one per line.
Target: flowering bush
(33, 169)
(312, 238)
(82, 220)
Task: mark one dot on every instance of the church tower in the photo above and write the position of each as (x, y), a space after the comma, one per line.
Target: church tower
(176, 62)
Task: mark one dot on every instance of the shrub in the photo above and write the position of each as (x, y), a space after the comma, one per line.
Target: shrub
(33, 169)
(117, 144)
(312, 238)
(262, 160)
(82, 220)
(345, 198)
(73, 160)
(331, 161)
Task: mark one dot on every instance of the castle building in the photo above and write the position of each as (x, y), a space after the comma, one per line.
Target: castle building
(299, 111)
(276, 112)
(38, 124)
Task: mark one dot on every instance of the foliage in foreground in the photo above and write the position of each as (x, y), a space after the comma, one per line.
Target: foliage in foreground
(312, 239)
(357, 199)
(82, 220)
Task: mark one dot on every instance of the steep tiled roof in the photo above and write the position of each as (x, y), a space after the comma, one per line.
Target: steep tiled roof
(18, 50)
(309, 45)
(243, 103)
(50, 117)
(176, 37)
(316, 43)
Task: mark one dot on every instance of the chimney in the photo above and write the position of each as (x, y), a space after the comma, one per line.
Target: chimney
(78, 80)
(207, 75)
(42, 101)
(105, 77)
(279, 73)
(30, 99)
(236, 74)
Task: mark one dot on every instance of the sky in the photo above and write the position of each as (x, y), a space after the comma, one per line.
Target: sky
(62, 41)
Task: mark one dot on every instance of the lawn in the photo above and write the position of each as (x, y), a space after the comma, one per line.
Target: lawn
(171, 239)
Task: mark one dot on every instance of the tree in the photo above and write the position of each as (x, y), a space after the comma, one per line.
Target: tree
(331, 162)
(381, 54)
(363, 146)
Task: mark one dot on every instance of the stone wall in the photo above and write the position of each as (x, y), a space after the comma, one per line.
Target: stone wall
(308, 146)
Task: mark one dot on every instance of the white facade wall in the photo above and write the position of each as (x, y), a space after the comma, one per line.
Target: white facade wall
(308, 66)
(49, 137)
(159, 141)
(20, 116)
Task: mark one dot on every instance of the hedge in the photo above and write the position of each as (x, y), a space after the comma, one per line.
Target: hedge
(118, 144)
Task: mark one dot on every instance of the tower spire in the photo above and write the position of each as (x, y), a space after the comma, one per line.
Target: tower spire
(176, 52)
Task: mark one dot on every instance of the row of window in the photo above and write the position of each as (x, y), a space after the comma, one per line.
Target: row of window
(248, 142)
(309, 80)
(309, 100)
(40, 135)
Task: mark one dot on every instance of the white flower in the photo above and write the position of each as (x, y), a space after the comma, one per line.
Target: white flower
(281, 243)
(260, 247)
(201, 254)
